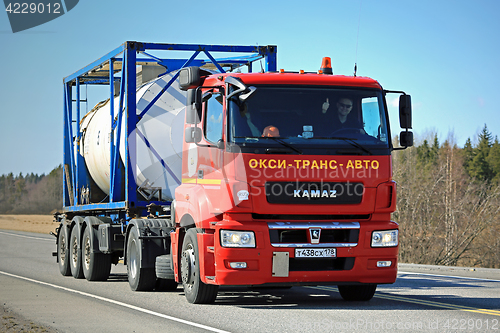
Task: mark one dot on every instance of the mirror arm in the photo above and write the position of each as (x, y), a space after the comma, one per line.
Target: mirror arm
(394, 92)
(235, 82)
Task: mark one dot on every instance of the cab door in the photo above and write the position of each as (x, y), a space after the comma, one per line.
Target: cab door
(210, 174)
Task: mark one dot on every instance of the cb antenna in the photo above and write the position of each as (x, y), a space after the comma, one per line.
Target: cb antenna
(260, 61)
(357, 40)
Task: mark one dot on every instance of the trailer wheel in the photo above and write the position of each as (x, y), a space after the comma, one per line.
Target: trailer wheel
(139, 279)
(195, 290)
(75, 253)
(357, 292)
(63, 256)
(96, 266)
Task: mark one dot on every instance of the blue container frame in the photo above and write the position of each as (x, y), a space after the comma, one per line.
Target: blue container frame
(126, 204)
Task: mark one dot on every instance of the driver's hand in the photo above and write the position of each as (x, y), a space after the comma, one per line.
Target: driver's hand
(325, 106)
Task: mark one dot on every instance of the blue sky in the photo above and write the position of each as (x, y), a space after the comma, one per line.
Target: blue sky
(444, 53)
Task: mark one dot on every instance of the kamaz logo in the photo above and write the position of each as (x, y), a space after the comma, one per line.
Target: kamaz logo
(314, 193)
(315, 235)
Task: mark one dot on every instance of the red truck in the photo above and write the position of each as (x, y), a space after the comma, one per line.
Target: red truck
(285, 179)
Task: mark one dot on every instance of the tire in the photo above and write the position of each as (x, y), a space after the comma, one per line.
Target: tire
(165, 274)
(195, 290)
(163, 268)
(75, 253)
(139, 279)
(363, 292)
(96, 266)
(63, 255)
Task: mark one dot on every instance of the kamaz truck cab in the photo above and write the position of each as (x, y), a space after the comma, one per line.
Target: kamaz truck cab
(287, 181)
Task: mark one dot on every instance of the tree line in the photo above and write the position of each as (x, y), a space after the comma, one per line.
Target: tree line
(448, 204)
(31, 194)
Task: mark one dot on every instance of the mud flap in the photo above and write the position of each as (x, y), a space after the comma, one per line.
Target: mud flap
(154, 235)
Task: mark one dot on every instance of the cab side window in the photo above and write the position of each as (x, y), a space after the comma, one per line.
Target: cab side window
(373, 124)
(213, 120)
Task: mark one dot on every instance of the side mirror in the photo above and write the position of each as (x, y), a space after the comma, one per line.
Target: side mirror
(406, 139)
(192, 134)
(244, 96)
(241, 89)
(189, 78)
(193, 106)
(405, 111)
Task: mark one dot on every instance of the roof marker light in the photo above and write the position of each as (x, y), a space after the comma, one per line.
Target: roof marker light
(326, 66)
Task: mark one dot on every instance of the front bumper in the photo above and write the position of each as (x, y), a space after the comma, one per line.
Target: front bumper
(268, 264)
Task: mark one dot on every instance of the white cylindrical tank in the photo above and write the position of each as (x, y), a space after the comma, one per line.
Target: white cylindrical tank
(158, 139)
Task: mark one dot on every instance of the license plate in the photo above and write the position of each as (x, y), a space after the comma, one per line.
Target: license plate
(316, 253)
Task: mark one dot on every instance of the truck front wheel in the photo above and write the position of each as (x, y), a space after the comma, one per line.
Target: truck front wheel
(139, 279)
(195, 290)
(357, 292)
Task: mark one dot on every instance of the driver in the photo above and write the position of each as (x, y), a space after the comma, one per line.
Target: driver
(342, 119)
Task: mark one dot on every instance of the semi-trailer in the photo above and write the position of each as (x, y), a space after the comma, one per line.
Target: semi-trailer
(205, 173)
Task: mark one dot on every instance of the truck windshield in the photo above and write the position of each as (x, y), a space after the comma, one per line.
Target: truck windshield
(310, 117)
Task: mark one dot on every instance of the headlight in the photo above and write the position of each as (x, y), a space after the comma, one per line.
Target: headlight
(385, 238)
(229, 238)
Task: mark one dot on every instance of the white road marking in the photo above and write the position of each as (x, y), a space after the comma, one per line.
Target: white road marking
(161, 315)
(23, 236)
(450, 276)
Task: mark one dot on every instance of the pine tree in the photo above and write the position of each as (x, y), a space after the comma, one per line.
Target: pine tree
(427, 156)
(479, 168)
(434, 152)
(423, 152)
(468, 155)
(494, 160)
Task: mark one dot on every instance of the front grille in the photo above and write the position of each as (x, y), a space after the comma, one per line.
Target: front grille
(298, 236)
(320, 264)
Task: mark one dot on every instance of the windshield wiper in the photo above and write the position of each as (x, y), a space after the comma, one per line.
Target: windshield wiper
(349, 140)
(354, 143)
(283, 143)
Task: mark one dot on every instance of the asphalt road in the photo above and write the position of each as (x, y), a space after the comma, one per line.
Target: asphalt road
(423, 299)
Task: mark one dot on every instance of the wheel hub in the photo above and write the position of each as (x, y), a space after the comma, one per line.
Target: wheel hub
(74, 257)
(87, 253)
(187, 266)
(62, 249)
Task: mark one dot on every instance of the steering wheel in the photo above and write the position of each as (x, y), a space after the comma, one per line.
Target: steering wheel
(347, 130)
